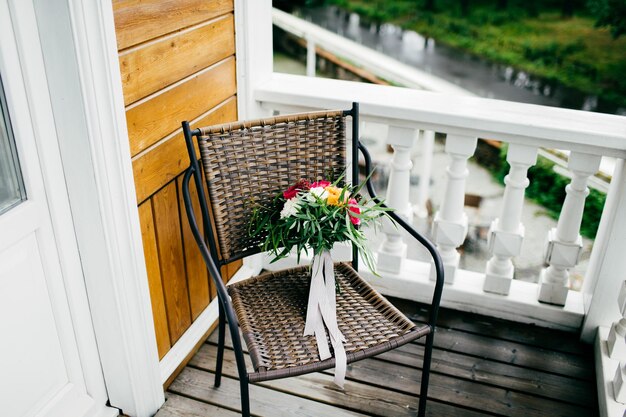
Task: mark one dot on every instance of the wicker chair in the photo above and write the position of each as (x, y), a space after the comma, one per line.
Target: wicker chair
(254, 160)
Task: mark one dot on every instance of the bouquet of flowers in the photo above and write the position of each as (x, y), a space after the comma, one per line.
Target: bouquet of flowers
(315, 215)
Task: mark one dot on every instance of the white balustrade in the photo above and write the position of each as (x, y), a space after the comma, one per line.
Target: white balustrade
(616, 342)
(393, 249)
(463, 120)
(583, 133)
(310, 58)
(450, 225)
(507, 232)
(564, 244)
(423, 190)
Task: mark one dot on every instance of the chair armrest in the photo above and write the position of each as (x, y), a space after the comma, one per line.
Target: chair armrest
(438, 263)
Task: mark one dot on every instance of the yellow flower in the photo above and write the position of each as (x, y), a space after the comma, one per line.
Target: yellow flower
(333, 195)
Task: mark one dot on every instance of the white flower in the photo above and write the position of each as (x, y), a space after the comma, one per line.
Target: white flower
(318, 192)
(290, 208)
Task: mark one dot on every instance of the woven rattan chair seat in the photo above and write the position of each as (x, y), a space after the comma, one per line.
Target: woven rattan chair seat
(271, 309)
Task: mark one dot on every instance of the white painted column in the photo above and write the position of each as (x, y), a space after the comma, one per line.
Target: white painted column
(393, 249)
(79, 49)
(507, 231)
(607, 266)
(254, 50)
(310, 57)
(426, 162)
(450, 226)
(564, 244)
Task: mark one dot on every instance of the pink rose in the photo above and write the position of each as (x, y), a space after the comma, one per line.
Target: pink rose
(354, 208)
(322, 183)
(293, 191)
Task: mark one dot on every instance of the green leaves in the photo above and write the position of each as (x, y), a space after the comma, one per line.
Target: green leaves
(316, 225)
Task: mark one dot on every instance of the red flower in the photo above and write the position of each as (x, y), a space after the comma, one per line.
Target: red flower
(293, 191)
(322, 183)
(354, 208)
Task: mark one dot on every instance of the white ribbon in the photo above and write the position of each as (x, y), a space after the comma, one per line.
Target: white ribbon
(322, 310)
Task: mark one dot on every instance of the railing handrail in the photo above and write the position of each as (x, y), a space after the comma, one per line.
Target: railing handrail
(373, 61)
(527, 124)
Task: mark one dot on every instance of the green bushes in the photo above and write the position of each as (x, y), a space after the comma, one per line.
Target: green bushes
(531, 36)
(552, 52)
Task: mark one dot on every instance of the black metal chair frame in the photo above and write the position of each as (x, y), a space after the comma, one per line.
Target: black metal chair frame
(213, 262)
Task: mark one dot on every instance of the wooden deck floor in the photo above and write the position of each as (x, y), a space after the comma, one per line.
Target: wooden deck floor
(481, 366)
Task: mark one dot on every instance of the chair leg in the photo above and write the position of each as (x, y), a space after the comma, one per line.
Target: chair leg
(428, 353)
(220, 346)
(245, 397)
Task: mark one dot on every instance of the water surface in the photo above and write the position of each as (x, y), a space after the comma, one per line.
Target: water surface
(477, 75)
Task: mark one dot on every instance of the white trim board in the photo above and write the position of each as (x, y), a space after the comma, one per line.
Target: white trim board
(254, 52)
(81, 61)
(466, 294)
(29, 94)
(185, 345)
(605, 371)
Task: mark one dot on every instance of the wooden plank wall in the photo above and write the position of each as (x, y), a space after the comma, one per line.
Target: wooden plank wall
(177, 61)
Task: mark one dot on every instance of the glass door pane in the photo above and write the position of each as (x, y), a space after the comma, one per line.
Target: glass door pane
(12, 190)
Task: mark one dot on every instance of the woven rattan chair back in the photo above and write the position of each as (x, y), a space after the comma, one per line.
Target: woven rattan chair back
(247, 164)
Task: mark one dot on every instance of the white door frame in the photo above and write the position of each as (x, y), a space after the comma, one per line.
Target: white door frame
(45, 218)
(84, 90)
(26, 90)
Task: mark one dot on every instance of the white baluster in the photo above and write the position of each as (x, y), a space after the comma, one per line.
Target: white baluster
(616, 342)
(426, 162)
(564, 244)
(450, 226)
(507, 232)
(310, 57)
(393, 249)
(619, 385)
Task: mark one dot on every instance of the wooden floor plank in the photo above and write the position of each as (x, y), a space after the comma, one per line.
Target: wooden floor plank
(443, 388)
(177, 406)
(509, 377)
(198, 385)
(514, 353)
(479, 369)
(458, 391)
(499, 374)
(498, 328)
(320, 387)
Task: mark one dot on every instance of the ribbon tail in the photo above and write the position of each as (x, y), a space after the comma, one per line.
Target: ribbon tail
(314, 324)
(322, 342)
(313, 316)
(329, 315)
(331, 294)
(322, 314)
(341, 362)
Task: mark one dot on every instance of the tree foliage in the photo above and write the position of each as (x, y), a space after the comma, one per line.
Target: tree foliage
(610, 13)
